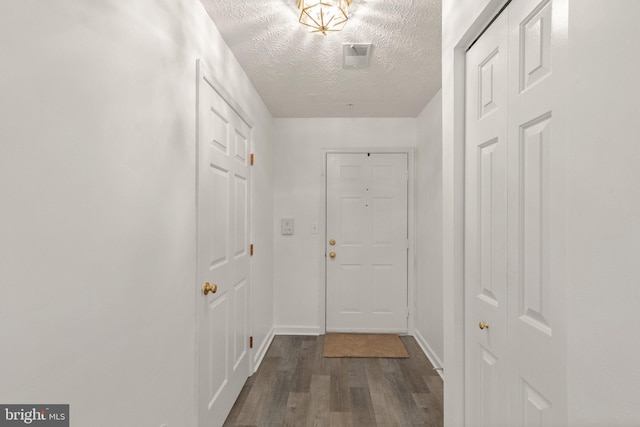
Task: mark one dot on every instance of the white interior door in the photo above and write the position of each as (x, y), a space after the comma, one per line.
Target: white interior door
(223, 189)
(515, 369)
(486, 228)
(367, 242)
(536, 221)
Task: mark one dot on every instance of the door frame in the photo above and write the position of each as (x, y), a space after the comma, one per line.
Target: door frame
(411, 265)
(204, 72)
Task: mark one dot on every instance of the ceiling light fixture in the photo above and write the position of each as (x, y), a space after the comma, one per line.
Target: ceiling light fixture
(323, 16)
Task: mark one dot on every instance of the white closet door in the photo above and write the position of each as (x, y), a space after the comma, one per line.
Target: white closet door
(536, 316)
(486, 228)
(515, 225)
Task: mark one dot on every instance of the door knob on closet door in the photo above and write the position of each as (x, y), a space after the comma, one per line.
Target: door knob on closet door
(483, 325)
(332, 254)
(208, 288)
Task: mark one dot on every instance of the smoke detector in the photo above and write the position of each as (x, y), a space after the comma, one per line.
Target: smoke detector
(355, 55)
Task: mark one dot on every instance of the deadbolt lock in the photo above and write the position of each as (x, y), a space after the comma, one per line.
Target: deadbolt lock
(332, 242)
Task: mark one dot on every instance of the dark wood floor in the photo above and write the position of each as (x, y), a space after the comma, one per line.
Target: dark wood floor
(296, 386)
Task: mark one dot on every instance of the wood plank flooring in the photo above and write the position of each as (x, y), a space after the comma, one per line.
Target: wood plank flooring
(296, 386)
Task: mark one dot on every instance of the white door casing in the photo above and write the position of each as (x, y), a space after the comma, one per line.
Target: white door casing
(223, 207)
(366, 215)
(515, 369)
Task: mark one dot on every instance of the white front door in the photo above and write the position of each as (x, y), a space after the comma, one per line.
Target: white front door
(515, 366)
(367, 242)
(223, 189)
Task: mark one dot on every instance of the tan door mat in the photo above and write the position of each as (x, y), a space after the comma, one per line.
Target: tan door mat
(364, 345)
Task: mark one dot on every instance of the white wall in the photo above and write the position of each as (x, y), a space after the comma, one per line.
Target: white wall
(429, 303)
(604, 214)
(298, 192)
(97, 185)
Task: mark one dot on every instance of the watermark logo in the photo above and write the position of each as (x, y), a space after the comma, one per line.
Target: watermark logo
(34, 415)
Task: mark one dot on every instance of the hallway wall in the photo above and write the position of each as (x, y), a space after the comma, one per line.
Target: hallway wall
(603, 204)
(429, 303)
(97, 185)
(298, 192)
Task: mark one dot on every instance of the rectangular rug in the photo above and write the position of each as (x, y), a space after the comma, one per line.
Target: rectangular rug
(364, 345)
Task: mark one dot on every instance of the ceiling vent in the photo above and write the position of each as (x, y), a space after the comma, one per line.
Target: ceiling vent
(355, 55)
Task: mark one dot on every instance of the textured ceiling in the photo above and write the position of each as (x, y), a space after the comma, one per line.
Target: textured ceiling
(299, 74)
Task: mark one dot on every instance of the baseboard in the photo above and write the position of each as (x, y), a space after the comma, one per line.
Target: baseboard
(428, 351)
(296, 330)
(260, 352)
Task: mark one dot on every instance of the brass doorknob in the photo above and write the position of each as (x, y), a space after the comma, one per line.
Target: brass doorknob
(208, 288)
(332, 254)
(332, 242)
(483, 325)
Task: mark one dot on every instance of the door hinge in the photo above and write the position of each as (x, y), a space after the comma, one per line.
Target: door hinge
(250, 342)
(251, 249)
(251, 159)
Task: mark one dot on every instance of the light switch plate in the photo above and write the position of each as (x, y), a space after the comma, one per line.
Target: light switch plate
(286, 226)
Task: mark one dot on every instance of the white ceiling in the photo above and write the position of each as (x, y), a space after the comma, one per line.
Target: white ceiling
(299, 74)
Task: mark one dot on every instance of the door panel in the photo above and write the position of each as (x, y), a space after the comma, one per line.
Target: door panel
(535, 410)
(241, 194)
(367, 216)
(533, 189)
(537, 369)
(486, 227)
(240, 341)
(491, 383)
(223, 189)
(490, 187)
(216, 379)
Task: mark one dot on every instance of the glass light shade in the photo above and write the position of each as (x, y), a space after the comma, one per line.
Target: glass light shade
(323, 16)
